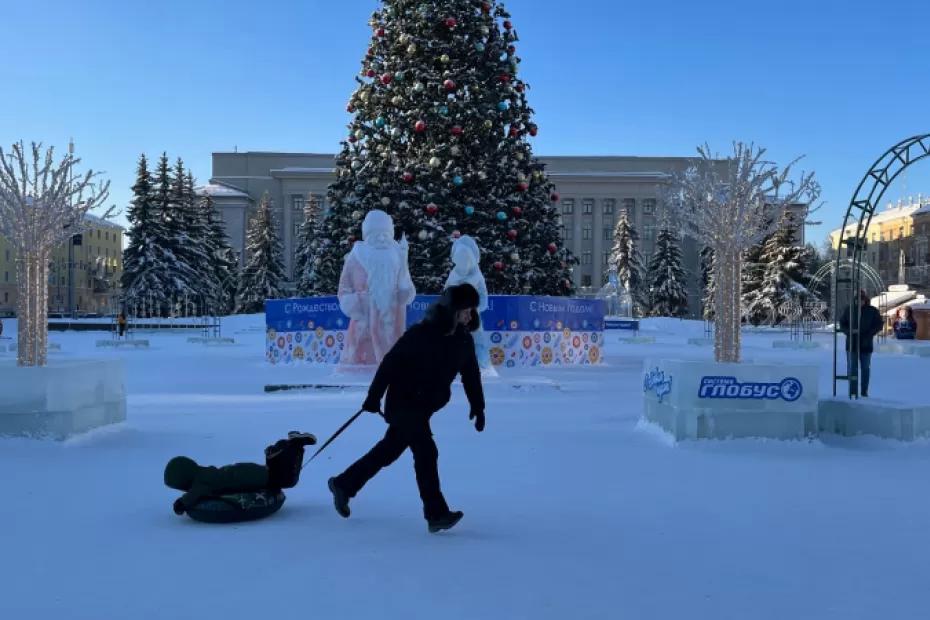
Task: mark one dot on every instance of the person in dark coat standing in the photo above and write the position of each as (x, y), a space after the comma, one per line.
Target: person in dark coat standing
(869, 322)
(417, 374)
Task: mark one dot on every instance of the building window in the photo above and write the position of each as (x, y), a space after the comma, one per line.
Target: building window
(609, 204)
(586, 258)
(606, 258)
(608, 234)
(587, 206)
(649, 206)
(586, 232)
(649, 232)
(586, 280)
(569, 234)
(568, 206)
(629, 206)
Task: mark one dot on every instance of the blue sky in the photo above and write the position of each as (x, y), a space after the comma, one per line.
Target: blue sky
(836, 80)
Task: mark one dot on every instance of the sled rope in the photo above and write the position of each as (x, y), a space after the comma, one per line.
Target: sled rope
(336, 434)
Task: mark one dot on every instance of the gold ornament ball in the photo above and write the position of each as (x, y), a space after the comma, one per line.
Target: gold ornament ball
(515, 257)
(444, 59)
(356, 215)
(412, 49)
(435, 162)
(421, 235)
(385, 201)
(397, 100)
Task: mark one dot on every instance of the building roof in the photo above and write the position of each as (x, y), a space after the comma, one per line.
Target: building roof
(220, 189)
(893, 212)
(98, 222)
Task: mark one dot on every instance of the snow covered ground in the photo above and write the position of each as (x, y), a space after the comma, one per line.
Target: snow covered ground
(573, 508)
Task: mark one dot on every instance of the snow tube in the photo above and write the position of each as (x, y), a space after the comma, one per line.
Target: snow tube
(237, 507)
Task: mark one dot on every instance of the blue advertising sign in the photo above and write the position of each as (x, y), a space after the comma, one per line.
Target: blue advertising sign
(788, 389)
(504, 313)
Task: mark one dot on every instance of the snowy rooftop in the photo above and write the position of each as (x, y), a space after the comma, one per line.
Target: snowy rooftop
(99, 222)
(220, 189)
(894, 211)
(298, 169)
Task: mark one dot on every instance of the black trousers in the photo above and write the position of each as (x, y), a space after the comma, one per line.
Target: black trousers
(864, 365)
(419, 438)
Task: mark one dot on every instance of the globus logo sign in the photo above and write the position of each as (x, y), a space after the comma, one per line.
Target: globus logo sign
(788, 389)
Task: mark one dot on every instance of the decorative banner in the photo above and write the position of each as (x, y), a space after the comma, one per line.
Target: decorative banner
(522, 330)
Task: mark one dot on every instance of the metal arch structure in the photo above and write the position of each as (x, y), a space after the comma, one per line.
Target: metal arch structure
(872, 278)
(852, 243)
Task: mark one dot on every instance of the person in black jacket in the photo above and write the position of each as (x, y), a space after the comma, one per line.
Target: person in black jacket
(869, 322)
(417, 374)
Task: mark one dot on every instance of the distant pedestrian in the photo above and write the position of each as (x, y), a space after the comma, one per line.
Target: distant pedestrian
(904, 326)
(417, 374)
(866, 321)
(121, 324)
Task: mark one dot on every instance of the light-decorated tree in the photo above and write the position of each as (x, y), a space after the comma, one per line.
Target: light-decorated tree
(667, 279)
(439, 140)
(305, 260)
(707, 283)
(263, 274)
(42, 204)
(626, 259)
(730, 205)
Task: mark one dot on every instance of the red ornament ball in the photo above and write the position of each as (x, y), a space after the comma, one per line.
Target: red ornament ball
(554, 197)
(522, 186)
(499, 265)
(534, 130)
(352, 139)
(512, 234)
(514, 131)
(350, 108)
(457, 130)
(507, 25)
(371, 51)
(518, 211)
(420, 126)
(370, 73)
(450, 22)
(432, 209)
(386, 78)
(449, 85)
(407, 177)
(504, 78)
(553, 248)
(380, 32)
(456, 234)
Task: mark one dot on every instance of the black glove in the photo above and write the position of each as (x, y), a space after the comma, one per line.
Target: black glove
(178, 507)
(478, 417)
(371, 405)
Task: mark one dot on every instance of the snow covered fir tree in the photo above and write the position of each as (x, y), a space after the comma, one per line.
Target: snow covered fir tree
(667, 279)
(304, 264)
(263, 275)
(178, 258)
(626, 260)
(785, 274)
(439, 140)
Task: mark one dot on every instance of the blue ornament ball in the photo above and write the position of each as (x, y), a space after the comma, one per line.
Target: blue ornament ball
(457, 180)
(479, 46)
(469, 210)
(399, 76)
(380, 122)
(503, 106)
(501, 216)
(443, 110)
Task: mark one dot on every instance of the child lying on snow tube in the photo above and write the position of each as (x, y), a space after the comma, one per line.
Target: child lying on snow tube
(242, 491)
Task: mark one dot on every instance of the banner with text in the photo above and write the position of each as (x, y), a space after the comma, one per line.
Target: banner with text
(522, 330)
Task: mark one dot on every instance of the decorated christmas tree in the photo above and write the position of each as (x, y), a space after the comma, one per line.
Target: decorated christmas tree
(626, 259)
(263, 274)
(667, 294)
(439, 140)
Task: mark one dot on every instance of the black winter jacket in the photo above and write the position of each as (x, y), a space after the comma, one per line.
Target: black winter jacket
(418, 372)
(871, 324)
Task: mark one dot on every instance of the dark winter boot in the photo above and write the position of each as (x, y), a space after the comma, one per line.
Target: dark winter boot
(284, 461)
(302, 439)
(445, 522)
(340, 499)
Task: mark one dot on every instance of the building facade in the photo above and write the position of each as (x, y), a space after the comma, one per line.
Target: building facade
(91, 283)
(593, 191)
(898, 242)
